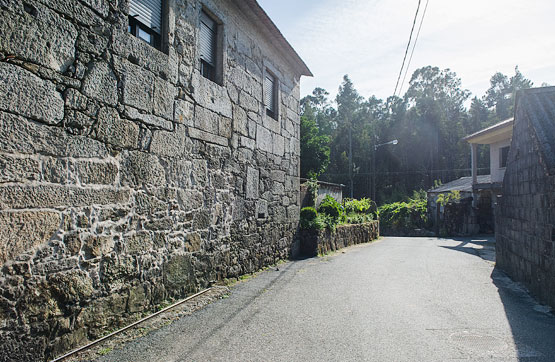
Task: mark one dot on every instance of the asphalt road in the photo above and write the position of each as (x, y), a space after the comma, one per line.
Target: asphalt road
(399, 299)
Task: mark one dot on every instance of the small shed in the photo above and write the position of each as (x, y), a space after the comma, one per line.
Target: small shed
(470, 220)
(324, 188)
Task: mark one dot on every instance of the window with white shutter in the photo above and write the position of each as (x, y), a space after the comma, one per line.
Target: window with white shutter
(145, 20)
(270, 95)
(208, 45)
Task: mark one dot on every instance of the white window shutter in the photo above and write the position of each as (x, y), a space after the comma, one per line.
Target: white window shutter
(269, 92)
(207, 39)
(148, 12)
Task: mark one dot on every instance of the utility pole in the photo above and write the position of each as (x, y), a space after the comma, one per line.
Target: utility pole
(351, 157)
(376, 146)
(374, 173)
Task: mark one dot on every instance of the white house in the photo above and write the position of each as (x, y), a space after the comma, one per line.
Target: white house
(484, 190)
(498, 137)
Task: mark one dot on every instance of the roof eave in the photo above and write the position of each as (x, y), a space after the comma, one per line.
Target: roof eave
(292, 56)
(496, 129)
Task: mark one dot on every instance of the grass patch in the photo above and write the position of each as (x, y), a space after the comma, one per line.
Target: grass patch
(105, 351)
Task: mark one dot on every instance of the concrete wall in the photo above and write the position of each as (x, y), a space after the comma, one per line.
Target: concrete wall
(525, 220)
(127, 178)
(325, 189)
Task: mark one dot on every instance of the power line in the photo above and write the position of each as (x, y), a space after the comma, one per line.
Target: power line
(414, 46)
(407, 50)
(410, 172)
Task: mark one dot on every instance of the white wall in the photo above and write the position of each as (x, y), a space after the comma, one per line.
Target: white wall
(497, 172)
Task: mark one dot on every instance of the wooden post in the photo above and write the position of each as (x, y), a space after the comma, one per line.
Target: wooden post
(474, 157)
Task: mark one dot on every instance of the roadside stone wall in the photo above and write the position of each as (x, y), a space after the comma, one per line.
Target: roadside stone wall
(126, 178)
(315, 242)
(525, 217)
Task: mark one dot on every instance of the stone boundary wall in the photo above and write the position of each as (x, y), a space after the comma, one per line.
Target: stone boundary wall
(525, 217)
(127, 179)
(315, 242)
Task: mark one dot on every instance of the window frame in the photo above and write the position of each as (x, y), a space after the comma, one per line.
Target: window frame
(211, 72)
(156, 38)
(274, 114)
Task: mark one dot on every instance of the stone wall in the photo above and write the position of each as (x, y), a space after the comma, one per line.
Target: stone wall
(525, 217)
(314, 242)
(127, 178)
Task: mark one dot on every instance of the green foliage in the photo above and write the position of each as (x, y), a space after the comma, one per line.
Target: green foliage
(429, 121)
(356, 218)
(312, 188)
(502, 92)
(104, 351)
(445, 198)
(359, 211)
(316, 129)
(404, 215)
(419, 195)
(331, 207)
(309, 219)
(315, 151)
(362, 206)
(308, 213)
(327, 222)
(331, 213)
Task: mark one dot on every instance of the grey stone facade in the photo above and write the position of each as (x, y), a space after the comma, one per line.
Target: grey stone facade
(126, 177)
(525, 217)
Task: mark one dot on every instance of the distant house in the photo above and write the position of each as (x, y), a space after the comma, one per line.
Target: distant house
(525, 217)
(498, 137)
(469, 223)
(324, 189)
(481, 190)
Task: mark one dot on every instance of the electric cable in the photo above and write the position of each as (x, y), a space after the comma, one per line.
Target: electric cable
(414, 46)
(407, 50)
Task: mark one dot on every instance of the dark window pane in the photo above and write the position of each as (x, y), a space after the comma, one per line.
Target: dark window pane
(503, 156)
(207, 70)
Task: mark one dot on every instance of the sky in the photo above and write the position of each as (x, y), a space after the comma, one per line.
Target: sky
(366, 39)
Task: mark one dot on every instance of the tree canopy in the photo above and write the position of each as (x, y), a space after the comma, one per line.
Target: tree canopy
(429, 122)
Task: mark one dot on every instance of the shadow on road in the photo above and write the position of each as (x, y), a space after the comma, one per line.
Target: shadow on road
(532, 325)
(484, 247)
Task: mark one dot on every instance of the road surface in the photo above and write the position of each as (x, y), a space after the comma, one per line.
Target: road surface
(398, 299)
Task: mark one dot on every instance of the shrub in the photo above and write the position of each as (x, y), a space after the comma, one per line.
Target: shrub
(354, 218)
(404, 215)
(361, 206)
(331, 207)
(308, 213)
(328, 222)
(331, 213)
(309, 219)
(445, 198)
